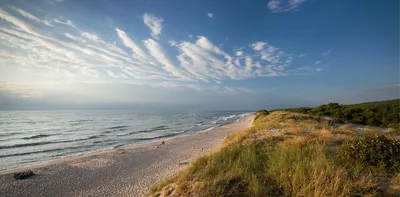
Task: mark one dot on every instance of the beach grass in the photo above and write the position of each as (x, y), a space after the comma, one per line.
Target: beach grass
(291, 154)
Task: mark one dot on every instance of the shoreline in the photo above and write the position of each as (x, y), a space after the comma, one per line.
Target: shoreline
(107, 150)
(132, 169)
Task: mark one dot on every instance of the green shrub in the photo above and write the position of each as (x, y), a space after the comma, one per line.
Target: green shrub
(260, 113)
(395, 128)
(373, 150)
(381, 113)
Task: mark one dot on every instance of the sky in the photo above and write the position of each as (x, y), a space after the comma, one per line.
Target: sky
(196, 55)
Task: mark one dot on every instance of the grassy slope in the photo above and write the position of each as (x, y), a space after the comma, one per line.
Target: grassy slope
(283, 154)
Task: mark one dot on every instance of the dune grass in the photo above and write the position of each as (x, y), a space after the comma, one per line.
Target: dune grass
(283, 154)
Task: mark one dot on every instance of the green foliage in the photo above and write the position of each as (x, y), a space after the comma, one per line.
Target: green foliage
(395, 128)
(382, 113)
(374, 150)
(260, 113)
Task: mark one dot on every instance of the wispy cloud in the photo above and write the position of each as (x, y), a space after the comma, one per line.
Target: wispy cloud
(278, 6)
(66, 52)
(210, 15)
(112, 74)
(327, 53)
(320, 66)
(56, 1)
(302, 55)
(137, 52)
(154, 23)
(30, 16)
(258, 46)
(157, 52)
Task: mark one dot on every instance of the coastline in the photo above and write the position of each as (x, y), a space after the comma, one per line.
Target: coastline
(129, 171)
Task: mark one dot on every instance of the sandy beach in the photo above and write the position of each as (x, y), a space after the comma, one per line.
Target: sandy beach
(123, 172)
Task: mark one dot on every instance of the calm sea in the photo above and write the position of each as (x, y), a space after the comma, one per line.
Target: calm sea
(34, 137)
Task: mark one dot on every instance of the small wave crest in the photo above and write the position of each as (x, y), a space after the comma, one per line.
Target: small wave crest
(158, 137)
(158, 128)
(223, 118)
(43, 143)
(118, 127)
(82, 120)
(36, 136)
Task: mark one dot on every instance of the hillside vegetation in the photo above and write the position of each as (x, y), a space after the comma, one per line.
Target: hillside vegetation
(286, 153)
(381, 113)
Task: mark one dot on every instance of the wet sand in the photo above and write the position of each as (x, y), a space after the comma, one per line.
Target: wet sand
(125, 172)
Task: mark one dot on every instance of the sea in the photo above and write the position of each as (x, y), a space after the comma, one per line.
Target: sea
(29, 138)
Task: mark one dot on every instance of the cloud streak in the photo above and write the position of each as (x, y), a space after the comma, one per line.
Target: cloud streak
(154, 24)
(279, 6)
(67, 53)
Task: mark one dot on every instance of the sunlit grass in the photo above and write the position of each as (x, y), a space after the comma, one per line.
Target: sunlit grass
(283, 154)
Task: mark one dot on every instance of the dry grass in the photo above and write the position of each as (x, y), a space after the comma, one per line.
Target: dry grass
(394, 187)
(294, 131)
(346, 129)
(258, 162)
(323, 134)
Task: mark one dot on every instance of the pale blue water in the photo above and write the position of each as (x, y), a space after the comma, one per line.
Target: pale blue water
(33, 137)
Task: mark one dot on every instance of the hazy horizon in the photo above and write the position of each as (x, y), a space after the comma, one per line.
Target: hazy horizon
(196, 55)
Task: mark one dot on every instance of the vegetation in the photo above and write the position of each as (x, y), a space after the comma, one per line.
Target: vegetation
(376, 150)
(23, 175)
(260, 113)
(381, 113)
(292, 154)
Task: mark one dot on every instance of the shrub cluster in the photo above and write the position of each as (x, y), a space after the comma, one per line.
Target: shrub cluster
(260, 113)
(375, 150)
(382, 113)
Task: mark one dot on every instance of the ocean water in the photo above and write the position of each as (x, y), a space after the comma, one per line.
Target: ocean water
(33, 137)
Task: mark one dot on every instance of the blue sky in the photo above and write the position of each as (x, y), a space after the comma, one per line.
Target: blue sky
(176, 54)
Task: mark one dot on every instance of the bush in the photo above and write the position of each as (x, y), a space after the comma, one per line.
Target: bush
(373, 150)
(260, 113)
(381, 113)
(395, 128)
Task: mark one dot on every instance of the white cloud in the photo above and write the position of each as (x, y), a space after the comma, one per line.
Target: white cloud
(210, 15)
(67, 54)
(157, 52)
(239, 53)
(205, 61)
(112, 74)
(63, 21)
(30, 16)
(319, 69)
(302, 55)
(91, 36)
(278, 6)
(271, 53)
(154, 23)
(318, 62)
(129, 43)
(258, 46)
